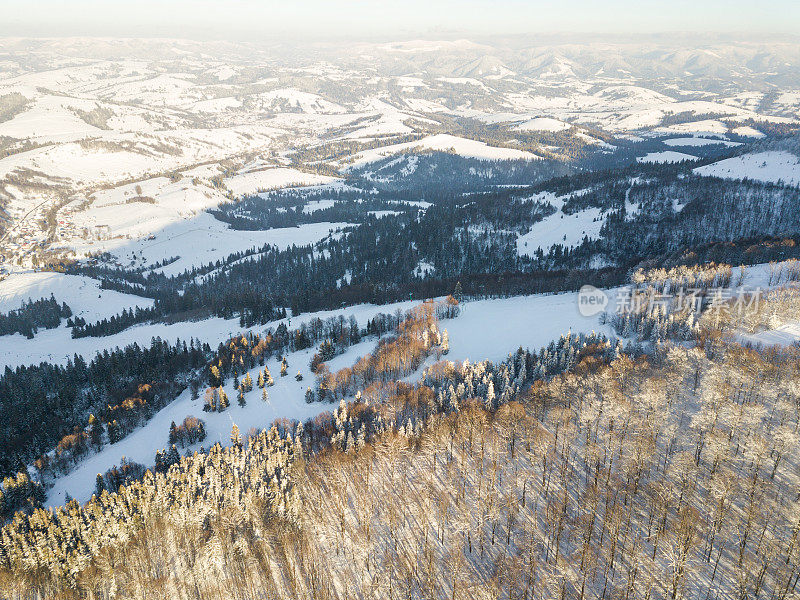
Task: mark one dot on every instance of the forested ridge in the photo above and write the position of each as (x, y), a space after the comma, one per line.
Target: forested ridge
(647, 212)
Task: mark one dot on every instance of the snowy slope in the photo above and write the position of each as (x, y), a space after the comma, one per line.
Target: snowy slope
(542, 124)
(785, 335)
(668, 156)
(560, 228)
(444, 143)
(698, 141)
(204, 239)
(772, 167)
(268, 179)
(83, 294)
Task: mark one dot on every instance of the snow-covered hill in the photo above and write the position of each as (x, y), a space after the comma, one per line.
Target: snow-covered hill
(770, 167)
(82, 121)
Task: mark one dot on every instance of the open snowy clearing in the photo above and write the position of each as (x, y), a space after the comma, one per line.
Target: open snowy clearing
(698, 141)
(668, 156)
(269, 179)
(542, 124)
(560, 228)
(709, 126)
(785, 335)
(747, 131)
(770, 167)
(82, 294)
(202, 240)
(444, 143)
(568, 230)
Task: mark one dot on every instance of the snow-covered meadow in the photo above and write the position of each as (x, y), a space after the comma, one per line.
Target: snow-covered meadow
(770, 167)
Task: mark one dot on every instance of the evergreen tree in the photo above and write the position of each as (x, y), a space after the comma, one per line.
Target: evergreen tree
(223, 400)
(236, 436)
(247, 383)
(95, 432)
(173, 433)
(173, 456)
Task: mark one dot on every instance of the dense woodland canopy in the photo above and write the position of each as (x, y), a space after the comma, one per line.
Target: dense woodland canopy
(45, 405)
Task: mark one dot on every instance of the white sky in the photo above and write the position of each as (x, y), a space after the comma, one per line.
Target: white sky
(248, 19)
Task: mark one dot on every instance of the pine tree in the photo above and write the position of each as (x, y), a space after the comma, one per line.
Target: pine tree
(298, 440)
(114, 433)
(99, 485)
(173, 456)
(240, 398)
(261, 381)
(95, 432)
(284, 367)
(326, 350)
(236, 437)
(264, 395)
(173, 433)
(215, 378)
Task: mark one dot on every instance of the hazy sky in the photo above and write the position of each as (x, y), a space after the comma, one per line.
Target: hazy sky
(246, 19)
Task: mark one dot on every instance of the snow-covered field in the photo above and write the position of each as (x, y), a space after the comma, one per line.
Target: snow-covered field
(542, 124)
(699, 141)
(771, 167)
(667, 156)
(269, 179)
(83, 295)
(785, 335)
(202, 240)
(444, 143)
(560, 228)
